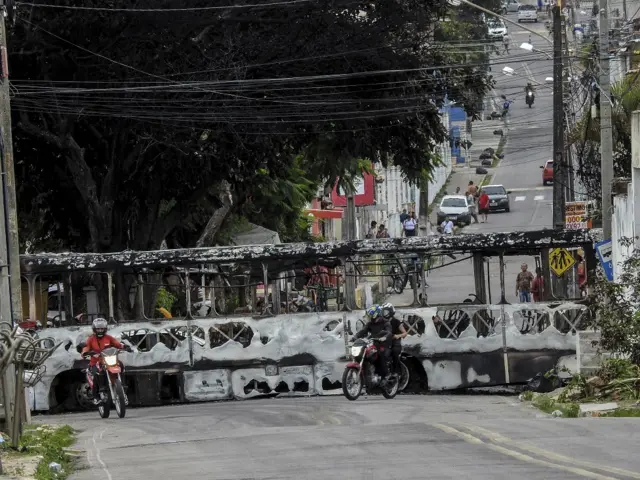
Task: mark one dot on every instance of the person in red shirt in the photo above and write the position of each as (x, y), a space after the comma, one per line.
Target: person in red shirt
(483, 206)
(537, 288)
(96, 343)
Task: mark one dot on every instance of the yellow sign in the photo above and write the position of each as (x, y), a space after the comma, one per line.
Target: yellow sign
(560, 260)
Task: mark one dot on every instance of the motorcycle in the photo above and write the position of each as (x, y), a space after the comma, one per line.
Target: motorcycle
(360, 372)
(399, 280)
(530, 98)
(109, 381)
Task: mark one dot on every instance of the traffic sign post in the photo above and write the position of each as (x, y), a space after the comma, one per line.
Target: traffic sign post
(606, 259)
(560, 260)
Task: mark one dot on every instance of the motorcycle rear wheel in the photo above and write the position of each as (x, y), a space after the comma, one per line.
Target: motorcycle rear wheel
(403, 381)
(119, 401)
(398, 285)
(347, 375)
(390, 390)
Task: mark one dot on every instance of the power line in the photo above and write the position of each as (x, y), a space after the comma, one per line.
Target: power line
(165, 10)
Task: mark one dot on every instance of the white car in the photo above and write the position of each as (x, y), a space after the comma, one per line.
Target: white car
(527, 13)
(454, 208)
(511, 5)
(497, 29)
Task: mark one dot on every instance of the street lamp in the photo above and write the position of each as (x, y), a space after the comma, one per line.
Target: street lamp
(529, 48)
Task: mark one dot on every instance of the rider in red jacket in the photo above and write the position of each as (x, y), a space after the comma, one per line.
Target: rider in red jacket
(96, 343)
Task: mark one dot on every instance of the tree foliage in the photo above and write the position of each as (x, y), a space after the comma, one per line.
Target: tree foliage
(586, 134)
(618, 316)
(134, 127)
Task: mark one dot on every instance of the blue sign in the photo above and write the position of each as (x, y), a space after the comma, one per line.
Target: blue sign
(606, 258)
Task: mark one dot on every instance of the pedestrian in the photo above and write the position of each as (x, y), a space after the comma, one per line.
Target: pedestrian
(410, 225)
(457, 190)
(382, 232)
(372, 230)
(483, 204)
(539, 5)
(403, 217)
(472, 189)
(505, 41)
(471, 200)
(537, 289)
(447, 227)
(523, 284)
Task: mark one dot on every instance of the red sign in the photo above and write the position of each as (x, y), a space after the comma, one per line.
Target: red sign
(364, 194)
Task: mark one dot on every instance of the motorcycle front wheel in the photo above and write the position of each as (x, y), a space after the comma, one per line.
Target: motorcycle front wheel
(104, 409)
(351, 383)
(121, 408)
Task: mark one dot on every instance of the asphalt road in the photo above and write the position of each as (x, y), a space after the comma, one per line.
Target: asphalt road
(410, 437)
(529, 145)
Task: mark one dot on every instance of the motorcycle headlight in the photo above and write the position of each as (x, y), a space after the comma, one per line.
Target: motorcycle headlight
(111, 361)
(356, 351)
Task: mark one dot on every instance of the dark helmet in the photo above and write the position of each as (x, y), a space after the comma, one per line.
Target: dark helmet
(99, 327)
(388, 311)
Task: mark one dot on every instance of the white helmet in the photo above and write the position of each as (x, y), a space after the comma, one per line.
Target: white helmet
(99, 327)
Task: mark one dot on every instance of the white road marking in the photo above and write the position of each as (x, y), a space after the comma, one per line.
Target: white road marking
(528, 189)
(537, 198)
(97, 453)
(520, 199)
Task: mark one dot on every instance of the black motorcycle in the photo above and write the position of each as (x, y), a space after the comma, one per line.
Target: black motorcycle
(400, 280)
(530, 98)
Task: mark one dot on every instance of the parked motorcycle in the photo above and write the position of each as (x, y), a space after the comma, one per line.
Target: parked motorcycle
(530, 98)
(109, 381)
(399, 281)
(360, 372)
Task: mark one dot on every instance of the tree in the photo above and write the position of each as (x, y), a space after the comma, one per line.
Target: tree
(618, 318)
(586, 134)
(136, 127)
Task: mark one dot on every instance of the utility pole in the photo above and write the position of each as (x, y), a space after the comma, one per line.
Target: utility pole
(10, 281)
(559, 164)
(606, 131)
(568, 111)
(8, 174)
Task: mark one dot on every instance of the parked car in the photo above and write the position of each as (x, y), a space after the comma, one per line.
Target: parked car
(496, 29)
(527, 13)
(454, 208)
(498, 197)
(547, 172)
(512, 5)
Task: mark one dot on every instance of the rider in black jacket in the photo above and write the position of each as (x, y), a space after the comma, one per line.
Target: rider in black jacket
(378, 327)
(398, 332)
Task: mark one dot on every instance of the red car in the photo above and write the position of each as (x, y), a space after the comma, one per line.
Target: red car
(547, 172)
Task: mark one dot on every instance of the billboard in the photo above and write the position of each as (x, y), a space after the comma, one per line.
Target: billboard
(576, 216)
(363, 196)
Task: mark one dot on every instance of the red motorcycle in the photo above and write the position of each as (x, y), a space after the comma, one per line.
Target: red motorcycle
(109, 381)
(360, 372)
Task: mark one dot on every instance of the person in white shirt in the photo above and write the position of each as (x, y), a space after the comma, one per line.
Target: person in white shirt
(447, 227)
(410, 225)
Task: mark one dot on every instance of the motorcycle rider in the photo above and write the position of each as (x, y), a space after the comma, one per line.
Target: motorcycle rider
(398, 332)
(378, 327)
(97, 343)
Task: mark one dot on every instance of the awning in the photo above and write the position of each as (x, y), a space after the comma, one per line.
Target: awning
(318, 213)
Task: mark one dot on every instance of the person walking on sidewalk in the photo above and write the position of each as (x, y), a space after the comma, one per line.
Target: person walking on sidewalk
(410, 225)
(523, 284)
(403, 218)
(471, 200)
(483, 203)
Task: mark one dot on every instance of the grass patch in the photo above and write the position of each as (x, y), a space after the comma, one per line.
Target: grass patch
(549, 405)
(438, 198)
(499, 151)
(623, 412)
(486, 180)
(50, 443)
